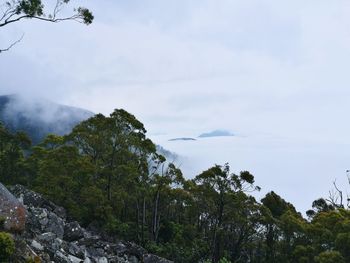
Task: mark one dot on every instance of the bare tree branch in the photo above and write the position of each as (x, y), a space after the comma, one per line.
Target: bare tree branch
(13, 44)
(336, 195)
(8, 12)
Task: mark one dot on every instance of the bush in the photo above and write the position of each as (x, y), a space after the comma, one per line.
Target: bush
(7, 247)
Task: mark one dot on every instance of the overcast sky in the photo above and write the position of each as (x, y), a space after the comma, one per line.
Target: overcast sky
(273, 71)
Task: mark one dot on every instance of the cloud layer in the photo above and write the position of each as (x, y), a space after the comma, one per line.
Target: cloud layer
(259, 68)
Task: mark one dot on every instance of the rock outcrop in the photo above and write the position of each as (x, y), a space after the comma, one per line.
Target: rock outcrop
(50, 237)
(12, 212)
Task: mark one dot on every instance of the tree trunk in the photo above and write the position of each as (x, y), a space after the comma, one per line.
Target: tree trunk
(155, 217)
(138, 220)
(143, 221)
(217, 236)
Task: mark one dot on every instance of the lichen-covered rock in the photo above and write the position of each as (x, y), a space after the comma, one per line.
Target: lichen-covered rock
(33, 199)
(55, 225)
(12, 211)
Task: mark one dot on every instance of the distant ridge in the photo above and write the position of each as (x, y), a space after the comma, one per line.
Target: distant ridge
(182, 139)
(39, 117)
(216, 133)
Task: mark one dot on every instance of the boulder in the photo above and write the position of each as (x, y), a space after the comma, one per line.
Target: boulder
(12, 211)
(73, 231)
(33, 199)
(55, 225)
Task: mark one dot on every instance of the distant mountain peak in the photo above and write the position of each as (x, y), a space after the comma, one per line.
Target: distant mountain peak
(182, 139)
(39, 117)
(216, 133)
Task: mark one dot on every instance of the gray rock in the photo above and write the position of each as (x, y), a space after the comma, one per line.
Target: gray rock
(74, 259)
(89, 241)
(75, 250)
(95, 252)
(49, 236)
(37, 246)
(33, 199)
(57, 244)
(36, 219)
(102, 260)
(12, 211)
(55, 225)
(73, 231)
(133, 259)
(59, 257)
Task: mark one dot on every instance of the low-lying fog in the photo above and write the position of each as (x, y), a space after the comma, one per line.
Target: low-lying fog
(300, 171)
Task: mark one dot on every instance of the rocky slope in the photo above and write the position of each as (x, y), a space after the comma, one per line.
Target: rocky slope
(50, 237)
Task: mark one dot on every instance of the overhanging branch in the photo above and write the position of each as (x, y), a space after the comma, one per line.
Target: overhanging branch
(13, 44)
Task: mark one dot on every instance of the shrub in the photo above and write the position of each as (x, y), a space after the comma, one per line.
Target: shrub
(7, 247)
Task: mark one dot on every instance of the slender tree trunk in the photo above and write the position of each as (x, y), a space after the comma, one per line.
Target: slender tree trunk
(158, 227)
(138, 220)
(217, 236)
(143, 220)
(214, 255)
(109, 186)
(155, 217)
(109, 195)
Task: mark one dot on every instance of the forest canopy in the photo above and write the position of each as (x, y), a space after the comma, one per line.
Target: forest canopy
(109, 175)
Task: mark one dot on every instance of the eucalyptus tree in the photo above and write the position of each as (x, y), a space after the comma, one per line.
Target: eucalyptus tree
(13, 11)
(12, 146)
(226, 211)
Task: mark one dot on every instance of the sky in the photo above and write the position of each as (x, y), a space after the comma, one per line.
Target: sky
(275, 73)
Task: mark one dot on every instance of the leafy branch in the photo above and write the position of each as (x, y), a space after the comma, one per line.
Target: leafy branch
(17, 10)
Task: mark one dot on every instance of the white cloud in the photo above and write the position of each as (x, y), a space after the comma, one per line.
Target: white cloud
(186, 67)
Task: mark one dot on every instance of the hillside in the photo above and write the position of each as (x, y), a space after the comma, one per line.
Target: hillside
(49, 236)
(39, 117)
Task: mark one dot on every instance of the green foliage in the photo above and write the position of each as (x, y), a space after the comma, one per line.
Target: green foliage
(17, 10)
(276, 204)
(35, 259)
(303, 254)
(30, 7)
(12, 147)
(329, 257)
(342, 243)
(107, 173)
(7, 247)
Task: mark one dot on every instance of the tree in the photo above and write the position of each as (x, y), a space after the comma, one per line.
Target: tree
(12, 155)
(226, 210)
(12, 11)
(117, 146)
(283, 229)
(319, 205)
